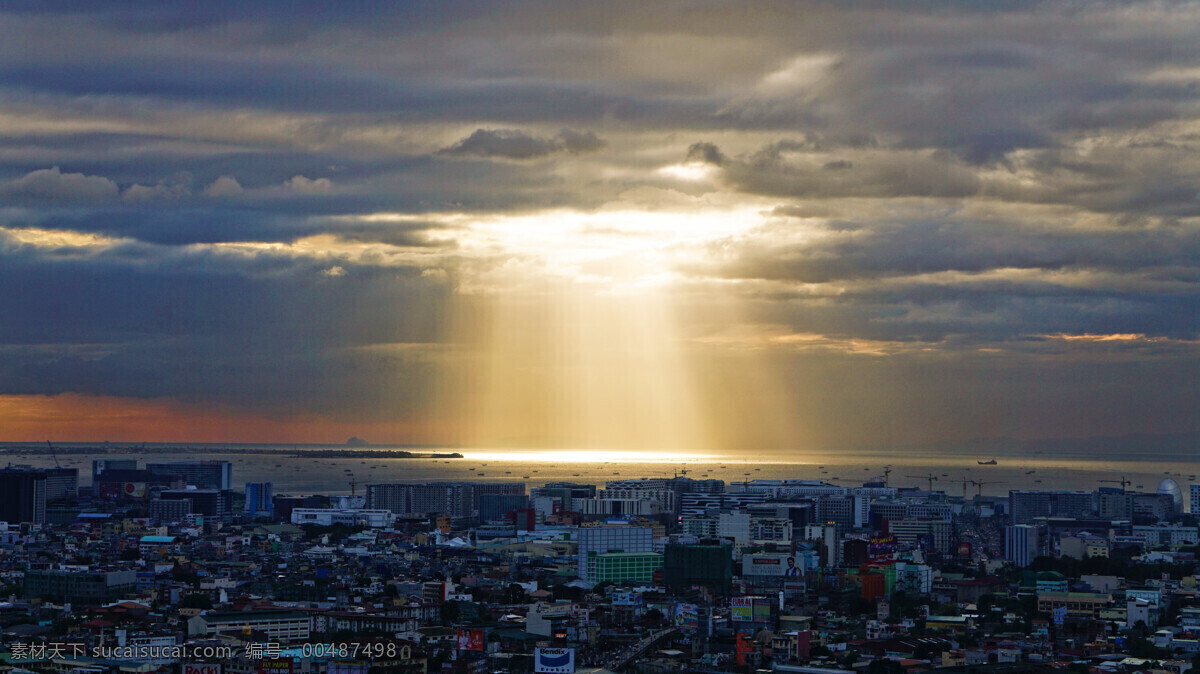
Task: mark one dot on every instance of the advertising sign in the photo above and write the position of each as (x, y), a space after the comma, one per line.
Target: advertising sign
(762, 609)
(881, 546)
(276, 666)
(741, 609)
(471, 639)
(115, 490)
(554, 660)
(686, 616)
(197, 668)
(777, 564)
(626, 599)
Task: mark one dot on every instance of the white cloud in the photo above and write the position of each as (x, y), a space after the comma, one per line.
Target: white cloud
(180, 187)
(53, 184)
(224, 186)
(299, 183)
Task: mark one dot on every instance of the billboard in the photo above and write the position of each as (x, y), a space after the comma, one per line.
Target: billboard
(554, 660)
(770, 564)
(115, 490)
(471, 639)
(686, 616)
(198, 668)
(881, 546)
(276, 666)
(741, 609)
(750, 609)
(626, 599)
(762, 609)
(964, 550)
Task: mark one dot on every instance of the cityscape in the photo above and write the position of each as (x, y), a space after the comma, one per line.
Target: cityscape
(156, 565)
(604, 337)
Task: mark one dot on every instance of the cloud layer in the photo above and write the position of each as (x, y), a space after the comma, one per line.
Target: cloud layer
(899, 206)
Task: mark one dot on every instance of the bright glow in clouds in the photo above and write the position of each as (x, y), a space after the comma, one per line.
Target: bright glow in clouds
(581, 346)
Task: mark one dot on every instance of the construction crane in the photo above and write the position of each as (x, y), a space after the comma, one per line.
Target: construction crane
(887, 470)
(966, 480)
(979, 484)
(1123, 482)
(930, 477)
(53, 455)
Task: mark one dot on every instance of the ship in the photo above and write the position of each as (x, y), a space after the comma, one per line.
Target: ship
(987, 463)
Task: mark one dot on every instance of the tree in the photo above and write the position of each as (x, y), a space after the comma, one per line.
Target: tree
(885, 666)
(652, 617)
(195, 600)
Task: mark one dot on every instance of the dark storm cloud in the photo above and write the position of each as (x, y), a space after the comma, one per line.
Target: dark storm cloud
(957, 174)
(205, 325)
(516, 144)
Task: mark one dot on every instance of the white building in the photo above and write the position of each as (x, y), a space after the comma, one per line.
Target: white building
(278, 625)
(1021, 544)
(734, 526)
(1168, 534)
(352, 516)
(612, 538)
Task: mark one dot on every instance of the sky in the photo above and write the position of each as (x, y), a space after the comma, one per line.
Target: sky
(707, 225)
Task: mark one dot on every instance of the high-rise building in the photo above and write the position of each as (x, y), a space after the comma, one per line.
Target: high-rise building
(258, 500)
(1021, 544)
(393, 497)
(850, 512)
(62, 484)
(710, 566)
(620, 567)
(611, 538)
(101, 465)
(479, 489)
(170, 510)
(568, 493)
(453, 499)
(212, 503)
(699, 505)
(284, 505)
(22, 496)
(126, 484)
(1156, 506)
(1027, 506)
(928, 531)
(495, 506)
(1194, 499)
(204, 474)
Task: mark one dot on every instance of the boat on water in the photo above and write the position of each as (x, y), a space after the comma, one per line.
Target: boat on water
(987, 463)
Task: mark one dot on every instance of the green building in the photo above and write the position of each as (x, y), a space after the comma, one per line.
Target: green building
(617, 567)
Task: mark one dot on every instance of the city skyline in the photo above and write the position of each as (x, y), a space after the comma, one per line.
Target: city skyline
(690, 225)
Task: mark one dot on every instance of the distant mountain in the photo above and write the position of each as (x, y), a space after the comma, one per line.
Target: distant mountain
(356, 442)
